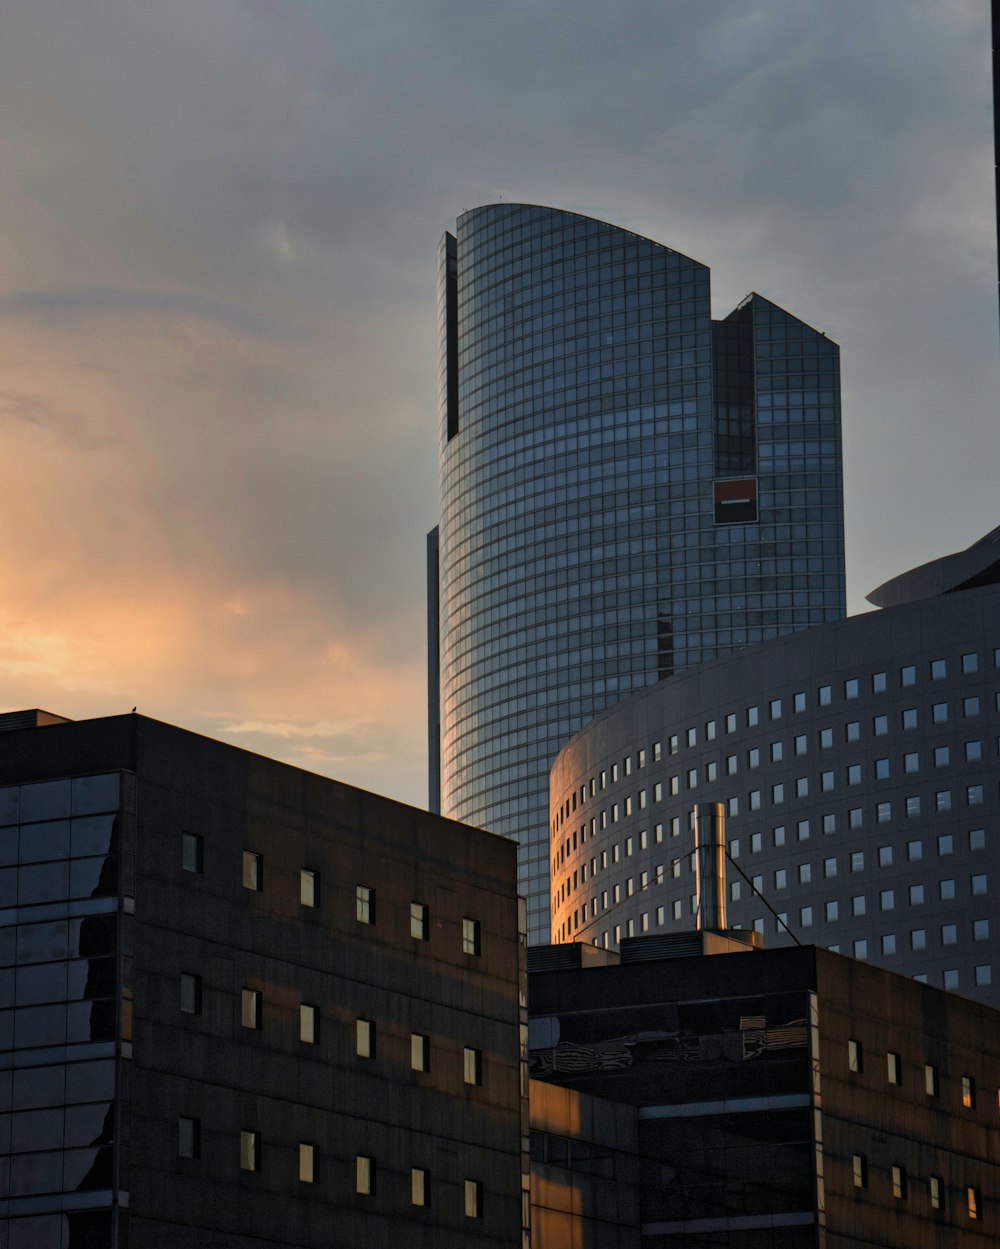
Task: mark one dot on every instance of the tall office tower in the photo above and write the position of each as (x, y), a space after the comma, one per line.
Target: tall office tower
(245, 1006)
(628, 489)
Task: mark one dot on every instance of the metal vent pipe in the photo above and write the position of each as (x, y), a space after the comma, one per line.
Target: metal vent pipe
(710, 866)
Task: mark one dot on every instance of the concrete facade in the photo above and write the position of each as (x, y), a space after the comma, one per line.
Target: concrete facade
(859, 768)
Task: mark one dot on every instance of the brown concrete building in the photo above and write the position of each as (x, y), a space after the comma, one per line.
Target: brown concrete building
(767, 1100)
(246, 1006)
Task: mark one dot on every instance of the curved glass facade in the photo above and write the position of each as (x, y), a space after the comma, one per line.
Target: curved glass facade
(628, 490)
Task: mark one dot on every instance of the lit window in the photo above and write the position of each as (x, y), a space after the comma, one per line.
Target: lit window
(364, 1175)
(190, 993)
(420, 1187)
(855, 1057)
(894, 1068)
(364, 1037)
(364, 904)
(973, 1202)
(308, 1024)
(899, 1183)
(250, 1008)
(420, 1052)
(473, 1199)
(192, 853)
(188, 1137)
(309, 887)
(253, 870)
(937, 1192)
(419, 921)
(931, 1082)
(968, 1092)
(473, 1065)
(471, 942)
(307, 1163)
(249, 1151)
(860, 1168)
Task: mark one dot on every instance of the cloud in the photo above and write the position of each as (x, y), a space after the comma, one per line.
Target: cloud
(218, 358)
(98, 299)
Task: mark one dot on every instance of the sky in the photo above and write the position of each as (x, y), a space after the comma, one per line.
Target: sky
(218, 359)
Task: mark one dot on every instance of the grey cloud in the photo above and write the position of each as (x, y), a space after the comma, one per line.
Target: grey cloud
(77, 299)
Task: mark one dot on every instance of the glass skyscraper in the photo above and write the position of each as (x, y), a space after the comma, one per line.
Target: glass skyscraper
(628, 489)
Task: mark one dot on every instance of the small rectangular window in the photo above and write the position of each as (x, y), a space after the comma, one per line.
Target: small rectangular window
(365, 1038)
(308, 1024)
(420, 1187)
(419, 921)
(364, 904)
(937, 1192)
(471, 940)
(309, 887)
(931, 1082)
(860, 1169)
(973, 1202)
(420, 1052)
(192, 853)
(968, 1092)
(249, 1151)
(190, 995)
(899, 1183)
(364, 1175)
(307, 1163)
(188, 1137)
(253, 870)
(894, 1068)
(250, 1012)
(473, 1199)
(855, 1057)
(473, 1065)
